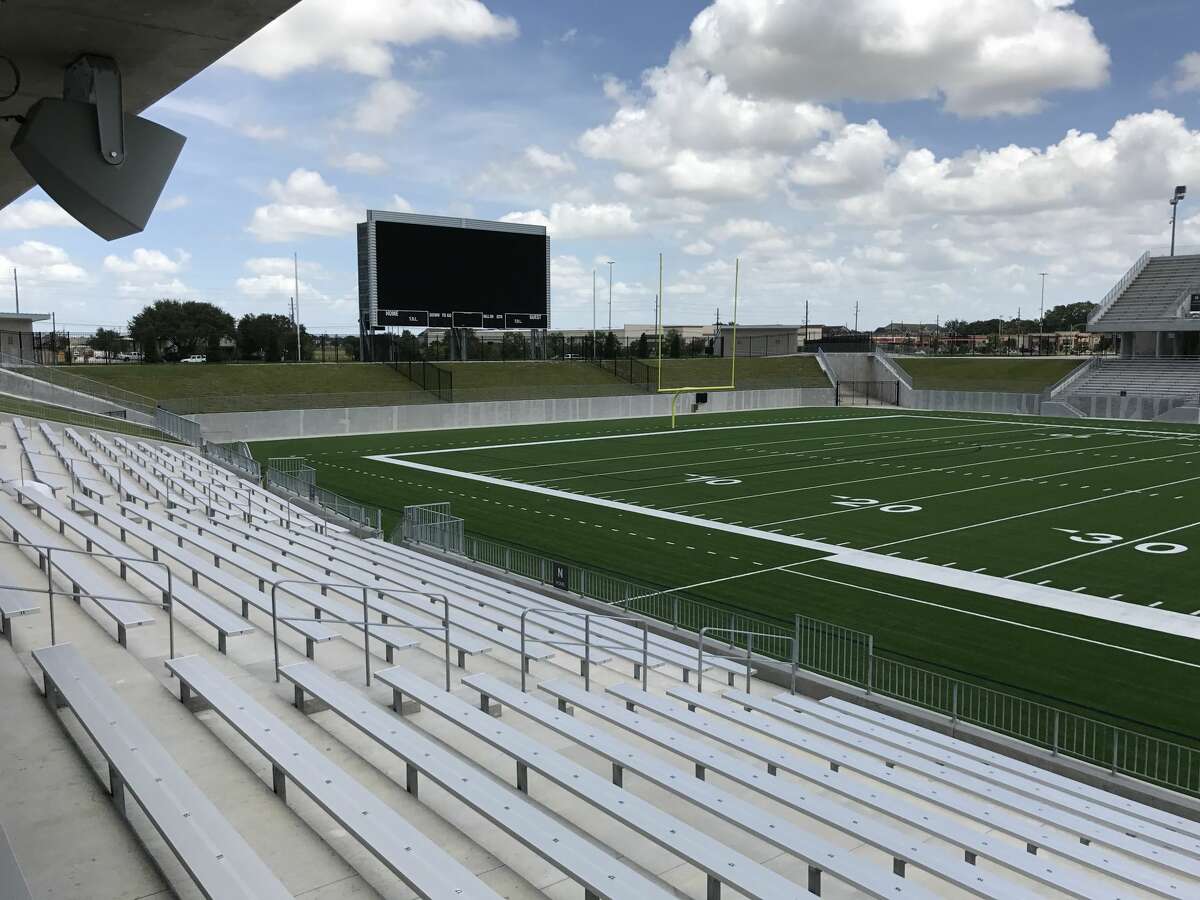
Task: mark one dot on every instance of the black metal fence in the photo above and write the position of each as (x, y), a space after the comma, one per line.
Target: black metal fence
(435, 379)
(629, 369)
(867, 393)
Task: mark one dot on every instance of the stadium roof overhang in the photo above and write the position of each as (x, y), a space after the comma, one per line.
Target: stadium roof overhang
(158, 44)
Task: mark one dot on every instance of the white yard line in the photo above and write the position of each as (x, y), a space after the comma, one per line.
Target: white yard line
(978, 487)
(810, 466)
(909, 474)
(744, 459)
(1035, 512)
(1052, 598)
(750, 446)
(621, 437)
(1127, 543)
(979, 615)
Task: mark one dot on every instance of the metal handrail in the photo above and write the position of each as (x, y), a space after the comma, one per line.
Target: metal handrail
(750, 636)
(168, 604)
(366, 622)
(586, 643)
(1117, 289)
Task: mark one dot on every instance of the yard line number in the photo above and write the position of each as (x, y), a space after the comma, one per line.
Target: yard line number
(868, 502)
(710, 479)
(1159, 548)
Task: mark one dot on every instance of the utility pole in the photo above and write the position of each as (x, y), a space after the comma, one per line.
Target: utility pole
(296, 278)
(805, 342)
(594, 354)
(856, 317)
(610, 277)
(16, 291)
(1042, 314)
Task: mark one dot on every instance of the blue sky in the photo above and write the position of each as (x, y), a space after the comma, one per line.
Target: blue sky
(924, 159)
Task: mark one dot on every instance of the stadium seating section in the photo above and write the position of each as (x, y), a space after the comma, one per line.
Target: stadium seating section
(353, 724)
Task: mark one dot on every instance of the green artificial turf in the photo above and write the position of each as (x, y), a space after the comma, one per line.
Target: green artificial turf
(1052, 494)
(1015, 375)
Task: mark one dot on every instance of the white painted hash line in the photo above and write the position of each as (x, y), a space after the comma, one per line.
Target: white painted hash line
(1103, 608)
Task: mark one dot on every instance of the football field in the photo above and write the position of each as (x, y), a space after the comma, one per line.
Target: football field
(1049, 558)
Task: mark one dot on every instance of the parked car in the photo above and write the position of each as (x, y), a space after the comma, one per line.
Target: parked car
(195, 359)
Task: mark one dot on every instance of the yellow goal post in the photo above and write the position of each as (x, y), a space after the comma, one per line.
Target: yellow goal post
(675, 392)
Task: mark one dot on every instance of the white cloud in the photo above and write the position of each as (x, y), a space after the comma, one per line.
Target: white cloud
(399, 204)
(29, 214)
(1187, 73)
(178, 201)
(855, 158)
(980, 56)
(305, 204)
(550, 163)
(746, 230)
(362, 163)
(264, 132)
(39, 262)
(567, 221)
(358, 35)
(279, 265)
(1083, 171)
(699, 247)
(385, 104)
(145, 262)
(275, 276)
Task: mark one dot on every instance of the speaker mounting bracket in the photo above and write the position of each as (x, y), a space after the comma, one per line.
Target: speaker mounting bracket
(97, 80)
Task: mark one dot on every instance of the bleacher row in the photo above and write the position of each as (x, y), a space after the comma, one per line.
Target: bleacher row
(1155, 293)
(1142, 377)
(301, 772)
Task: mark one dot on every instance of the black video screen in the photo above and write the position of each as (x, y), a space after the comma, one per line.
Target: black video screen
(447, 270)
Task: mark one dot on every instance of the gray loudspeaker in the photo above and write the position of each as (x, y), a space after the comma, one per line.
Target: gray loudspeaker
(59, 145)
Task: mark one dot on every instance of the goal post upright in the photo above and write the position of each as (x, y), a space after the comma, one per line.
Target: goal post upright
(676, 391)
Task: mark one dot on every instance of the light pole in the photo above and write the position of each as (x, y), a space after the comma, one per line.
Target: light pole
(1042, 315)
(611, 262)
(1180, 191)
(593, 314)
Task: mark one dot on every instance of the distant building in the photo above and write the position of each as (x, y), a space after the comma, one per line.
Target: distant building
(913, 328)
(757, 340)
(17, 342)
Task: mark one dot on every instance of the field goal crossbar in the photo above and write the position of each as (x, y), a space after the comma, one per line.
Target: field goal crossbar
(676, 391)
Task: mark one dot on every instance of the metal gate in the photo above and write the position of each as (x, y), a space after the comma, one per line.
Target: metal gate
(432, 524)
(867, 393)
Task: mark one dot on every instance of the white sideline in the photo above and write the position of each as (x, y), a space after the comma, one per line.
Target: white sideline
(1093, 607)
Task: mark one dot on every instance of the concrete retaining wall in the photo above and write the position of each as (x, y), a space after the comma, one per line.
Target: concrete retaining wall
(29, 388)
(1145, 408)
(299, 423)
(973, 401)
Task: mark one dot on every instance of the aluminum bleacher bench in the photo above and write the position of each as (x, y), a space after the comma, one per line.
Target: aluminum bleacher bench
(902, 846)
(1112, 811)
(340, 611)
(665, 649)
(174, 485)
(89, 485)
(469, 632)
(226, 623)
(15, 603)
(407, 853)
(601, 872)
(162, 545)
(721, 864)
(352, 554)
(1010, 853)
(162, 492)
(75, 567)
(1079, 795)
(997, 807)
(128, 490)
(217, 858)
(37, 461)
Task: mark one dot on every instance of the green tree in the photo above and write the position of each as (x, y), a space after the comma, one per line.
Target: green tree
(1068, 316)
(263, 336)
(106, 341)
(674, 344)
(180, 328)
(514, 346)
(641, 346)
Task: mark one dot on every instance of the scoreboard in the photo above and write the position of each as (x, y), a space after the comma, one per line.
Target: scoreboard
(431, 271)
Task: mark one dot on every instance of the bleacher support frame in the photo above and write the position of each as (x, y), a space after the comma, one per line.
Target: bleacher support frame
(586, 664)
